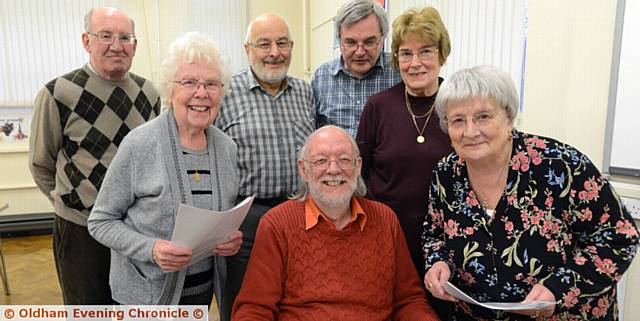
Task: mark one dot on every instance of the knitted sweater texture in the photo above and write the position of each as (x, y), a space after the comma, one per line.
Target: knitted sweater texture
(328, 274)
(79, 120)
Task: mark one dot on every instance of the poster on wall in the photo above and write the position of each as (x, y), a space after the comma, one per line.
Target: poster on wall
(14, 129)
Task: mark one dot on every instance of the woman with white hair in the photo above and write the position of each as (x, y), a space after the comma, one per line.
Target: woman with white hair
(176, 158)
(519, 217)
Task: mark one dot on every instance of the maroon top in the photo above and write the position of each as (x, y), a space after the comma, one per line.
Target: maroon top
(396, 169)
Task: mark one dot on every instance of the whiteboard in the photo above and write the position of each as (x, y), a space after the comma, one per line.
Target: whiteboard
(622, 148)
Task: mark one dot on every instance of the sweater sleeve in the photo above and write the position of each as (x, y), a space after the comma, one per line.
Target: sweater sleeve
(45, 142)
(366, 137)
(262, 287)
(116, 196)
(409, 300)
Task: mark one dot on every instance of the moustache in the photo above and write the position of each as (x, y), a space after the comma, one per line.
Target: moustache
(277, 60)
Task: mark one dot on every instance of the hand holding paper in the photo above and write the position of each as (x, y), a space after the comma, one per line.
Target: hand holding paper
(436, 277)
(202, 230)
(506, 306)
(230, 247)
(170, 257)
(539, 293)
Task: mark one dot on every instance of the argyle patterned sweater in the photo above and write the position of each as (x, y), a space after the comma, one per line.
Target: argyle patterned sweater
(326, 274)
(79, 119)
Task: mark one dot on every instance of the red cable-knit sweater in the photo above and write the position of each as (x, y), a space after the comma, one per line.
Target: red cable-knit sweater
(327, 274)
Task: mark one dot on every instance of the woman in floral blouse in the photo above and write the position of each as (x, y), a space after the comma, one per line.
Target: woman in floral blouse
(517, 217)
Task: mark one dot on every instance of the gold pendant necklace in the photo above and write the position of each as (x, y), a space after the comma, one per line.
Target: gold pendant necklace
(420, 139)
(196, 176)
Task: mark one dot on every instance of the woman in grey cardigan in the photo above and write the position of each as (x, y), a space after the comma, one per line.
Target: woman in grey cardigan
(176, 158)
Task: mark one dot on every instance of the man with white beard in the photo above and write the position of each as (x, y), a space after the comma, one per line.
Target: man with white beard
(268, 114)
(329, 253)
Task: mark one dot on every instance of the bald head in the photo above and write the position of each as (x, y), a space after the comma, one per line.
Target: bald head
(105, 11)
(331, 135)
(263, 21)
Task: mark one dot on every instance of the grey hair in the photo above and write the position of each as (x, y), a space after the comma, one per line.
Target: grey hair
(479, 81)
(190, 48)
(89, 15)
(303, 192)
(249, 35)
(356, 10)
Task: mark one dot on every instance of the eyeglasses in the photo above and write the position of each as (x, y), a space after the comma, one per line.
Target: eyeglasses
(424, 54)
(265, 45)
(210, 86)
(344, 163)
(368, 44)
(459, 122)
(109, 38)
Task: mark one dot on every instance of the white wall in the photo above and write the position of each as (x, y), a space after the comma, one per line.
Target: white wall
(567, 72)
(566, 83)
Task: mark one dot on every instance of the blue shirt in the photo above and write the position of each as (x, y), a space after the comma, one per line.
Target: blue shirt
(340, 97)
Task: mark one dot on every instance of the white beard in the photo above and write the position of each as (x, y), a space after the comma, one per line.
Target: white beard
(333, 203)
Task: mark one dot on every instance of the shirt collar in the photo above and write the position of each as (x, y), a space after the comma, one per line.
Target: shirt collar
(337, 64)
(253, 81)
(312, 214)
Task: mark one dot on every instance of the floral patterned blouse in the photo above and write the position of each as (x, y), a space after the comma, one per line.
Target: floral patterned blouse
(558, 223)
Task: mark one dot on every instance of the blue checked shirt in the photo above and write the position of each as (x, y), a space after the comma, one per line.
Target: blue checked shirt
(269, 131)
(340, 97)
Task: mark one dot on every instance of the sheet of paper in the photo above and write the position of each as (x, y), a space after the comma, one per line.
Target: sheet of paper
(201, 230)
(506, 306)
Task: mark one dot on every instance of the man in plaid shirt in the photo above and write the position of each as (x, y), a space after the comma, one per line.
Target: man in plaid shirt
(342, 86)
(269, 115)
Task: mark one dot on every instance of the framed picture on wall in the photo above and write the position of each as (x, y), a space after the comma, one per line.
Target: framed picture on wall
(14, 127)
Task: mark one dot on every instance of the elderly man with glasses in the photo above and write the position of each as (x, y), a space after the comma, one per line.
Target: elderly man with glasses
(268, 114)
(342, 86)
(329, 253)
(79, 120)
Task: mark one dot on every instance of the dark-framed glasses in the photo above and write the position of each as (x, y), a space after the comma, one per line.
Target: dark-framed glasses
(368, 44)
(265, 45)
(210, 86)
(423, 54)
(109, 38)
(344, 163)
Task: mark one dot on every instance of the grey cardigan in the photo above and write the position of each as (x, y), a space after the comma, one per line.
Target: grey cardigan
(137, 205)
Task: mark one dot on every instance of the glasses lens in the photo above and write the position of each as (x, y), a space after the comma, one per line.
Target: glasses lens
(126, 39)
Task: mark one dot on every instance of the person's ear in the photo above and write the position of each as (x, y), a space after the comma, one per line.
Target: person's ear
(85, 42)
(134, 46)
(301, 170)
(246, 49)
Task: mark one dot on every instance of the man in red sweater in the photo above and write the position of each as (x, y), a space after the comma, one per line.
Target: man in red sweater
(329, 253)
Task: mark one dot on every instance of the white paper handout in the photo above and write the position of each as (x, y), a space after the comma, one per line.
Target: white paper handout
(506, 306)
(201, 230)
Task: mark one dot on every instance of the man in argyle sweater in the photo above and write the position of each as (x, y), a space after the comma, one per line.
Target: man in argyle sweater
(79, 120)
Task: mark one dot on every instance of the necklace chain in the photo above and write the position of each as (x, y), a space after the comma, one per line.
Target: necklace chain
(420, 138)
(499, 182)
